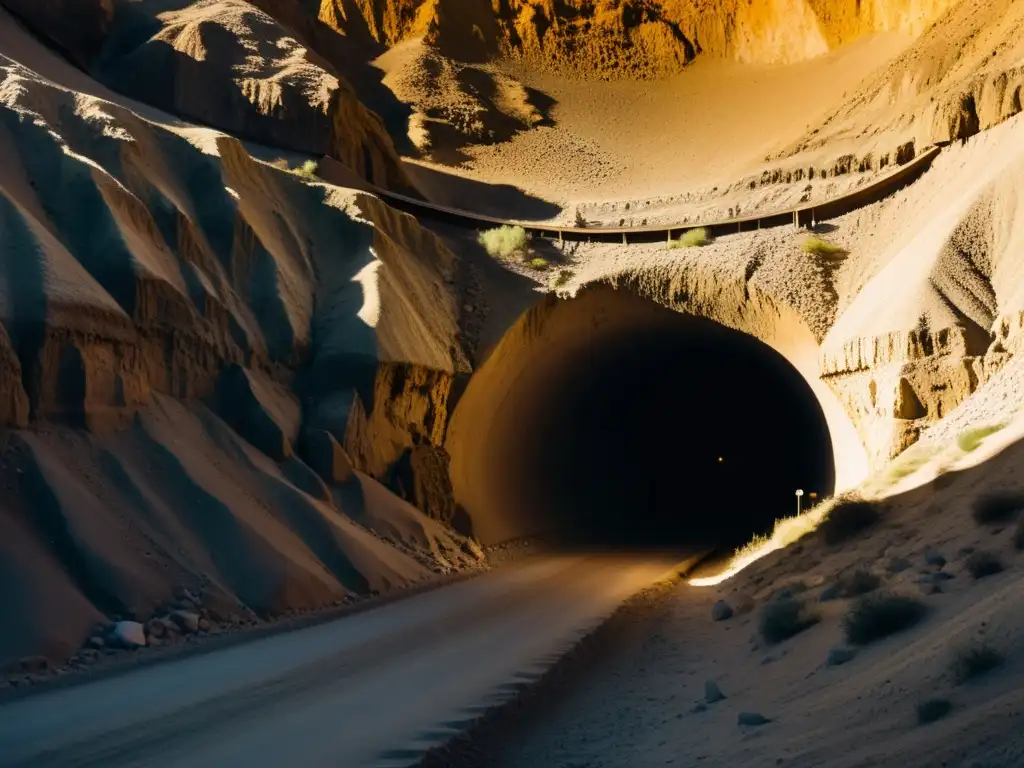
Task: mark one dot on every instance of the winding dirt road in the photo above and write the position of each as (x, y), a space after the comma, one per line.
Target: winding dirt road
(374, 689)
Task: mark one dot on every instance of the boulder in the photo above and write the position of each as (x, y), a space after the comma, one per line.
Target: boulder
(127, 634)
(721, 611)
(712, 692)
(186, 621)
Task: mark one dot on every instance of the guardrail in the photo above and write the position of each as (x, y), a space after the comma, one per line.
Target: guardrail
(334, 172)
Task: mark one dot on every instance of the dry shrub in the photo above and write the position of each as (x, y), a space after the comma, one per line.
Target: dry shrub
(998, 507)
(973, 661)
(982, 564)
(878, 616)
(848, 517)
(782, 618)
(933, 709)
(858, 583)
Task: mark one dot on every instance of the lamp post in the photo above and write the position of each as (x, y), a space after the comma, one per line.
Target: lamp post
(799, 493)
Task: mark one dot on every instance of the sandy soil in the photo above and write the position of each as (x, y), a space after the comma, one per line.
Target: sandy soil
(644, 703)
(647, 144)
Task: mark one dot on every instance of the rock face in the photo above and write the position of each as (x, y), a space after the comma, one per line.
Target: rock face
(645, 38)
(164, 311)
(226, 64)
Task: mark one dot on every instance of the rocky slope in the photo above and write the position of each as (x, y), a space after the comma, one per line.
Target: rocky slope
(227, 64)
(190, 343)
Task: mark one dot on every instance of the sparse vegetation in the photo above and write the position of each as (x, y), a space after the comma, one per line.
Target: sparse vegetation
(820, 247)
(972, 438)
(981, 564)
(848, 517)
(857, 583)
(877, 616)
(933, 709)
(564, 276)
(537, 263)
(973, 661)
(506, 242)
(784, 617)
(307, 170)
(692, 238)
(998, 507)
(908, 462)
(580, 220)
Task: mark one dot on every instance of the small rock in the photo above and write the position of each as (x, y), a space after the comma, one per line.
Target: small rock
(205, 625)
(127, 634)
(187, 621)
(964, 551)
(935, 577)
(156, 628)
(831, 592)
(712, 692)
(934, 559)
(899, 564)
(751, 718)
(34, 664)
(700, 707)
(840, 655)
(96, 642)
(183, 593)
(721, 611)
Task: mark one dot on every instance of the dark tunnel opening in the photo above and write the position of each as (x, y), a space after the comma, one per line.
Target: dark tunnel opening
(688, 434)
(610, 421)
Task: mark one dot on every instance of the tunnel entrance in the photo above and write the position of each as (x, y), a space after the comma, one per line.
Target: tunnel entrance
(689, 434)
(625, 424)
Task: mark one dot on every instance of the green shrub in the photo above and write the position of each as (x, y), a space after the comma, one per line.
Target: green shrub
(974, 661)
(784, 617)
(506, 242)
(877, 616)
(307, 170)
(564, 276)
(692, 238)
(933, 709)
(538, 263)
(972, 438)
(997, 507)
(982, 564)
(849, 516)
(820, 247)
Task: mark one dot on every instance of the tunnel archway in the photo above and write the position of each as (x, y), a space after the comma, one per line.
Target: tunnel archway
(611, 420)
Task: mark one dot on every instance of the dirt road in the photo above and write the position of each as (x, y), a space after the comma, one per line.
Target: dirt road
(374, 689)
